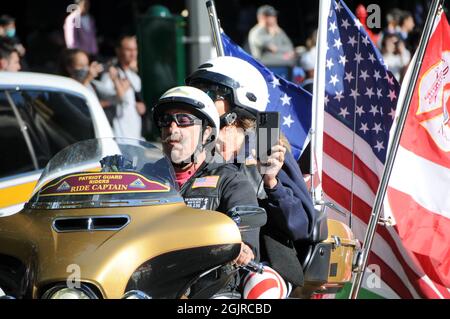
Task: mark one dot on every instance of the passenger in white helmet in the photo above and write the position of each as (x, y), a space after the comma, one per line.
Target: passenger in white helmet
(240, 92)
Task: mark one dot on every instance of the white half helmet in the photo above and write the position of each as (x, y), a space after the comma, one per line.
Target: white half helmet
(249, 88)
(193, 100)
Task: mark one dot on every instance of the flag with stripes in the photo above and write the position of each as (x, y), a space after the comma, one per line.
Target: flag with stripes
(207, 181)
(360, 101)
(419, 192)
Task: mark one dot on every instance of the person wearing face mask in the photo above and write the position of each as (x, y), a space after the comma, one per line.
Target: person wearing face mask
(8, 31)
(74, 63)
(7, 26)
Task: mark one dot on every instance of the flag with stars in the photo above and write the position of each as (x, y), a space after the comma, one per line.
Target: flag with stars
(292, 102)
(360, 99)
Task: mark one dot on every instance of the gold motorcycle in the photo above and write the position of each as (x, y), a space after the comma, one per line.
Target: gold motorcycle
(106, 220)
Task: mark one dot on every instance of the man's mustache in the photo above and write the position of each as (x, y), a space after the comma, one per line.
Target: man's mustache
(172, 138)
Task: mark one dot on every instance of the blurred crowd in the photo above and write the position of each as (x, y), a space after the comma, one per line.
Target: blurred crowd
(271, 45)
(117, 84)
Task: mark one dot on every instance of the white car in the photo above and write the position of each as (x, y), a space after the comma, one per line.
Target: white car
(40, 114)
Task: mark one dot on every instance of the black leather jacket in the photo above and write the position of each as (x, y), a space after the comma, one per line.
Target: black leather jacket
(221, 186)
(226, 187)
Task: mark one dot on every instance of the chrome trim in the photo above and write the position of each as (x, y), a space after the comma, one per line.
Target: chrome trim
(358, 261)
(89, 227)
(203, 274)
(103, 204)
(136, 293)
(90, 223)
(83, 287)
(337, 241)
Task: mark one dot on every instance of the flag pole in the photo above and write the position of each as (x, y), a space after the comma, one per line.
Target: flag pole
(378, 205)
(319, 99)
(215, 27)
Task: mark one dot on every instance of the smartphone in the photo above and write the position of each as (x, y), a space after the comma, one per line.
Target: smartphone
(268, 134)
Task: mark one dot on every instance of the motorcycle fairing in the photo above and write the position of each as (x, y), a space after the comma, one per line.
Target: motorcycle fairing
(108, 259)
(170, 275)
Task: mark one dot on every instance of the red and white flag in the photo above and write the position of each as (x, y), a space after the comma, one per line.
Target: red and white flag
(360, 96)
(419, 190)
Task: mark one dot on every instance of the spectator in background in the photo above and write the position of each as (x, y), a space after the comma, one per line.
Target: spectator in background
(7, 26)
(260, 25)
(270, 44)
(9, 56)
(392, 20)
(406, 26)
(80, 30)
(8, 30)
(74, 63)
(308, 62)
(123, 82)
(395, 55)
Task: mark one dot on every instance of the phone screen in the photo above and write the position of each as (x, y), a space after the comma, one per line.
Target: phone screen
(268, 134)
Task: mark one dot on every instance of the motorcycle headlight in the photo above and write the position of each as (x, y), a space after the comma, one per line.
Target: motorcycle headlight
(64, 292)
(136, 294)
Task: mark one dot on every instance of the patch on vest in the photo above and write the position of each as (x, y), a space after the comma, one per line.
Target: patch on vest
(207, 181)
(197, 202)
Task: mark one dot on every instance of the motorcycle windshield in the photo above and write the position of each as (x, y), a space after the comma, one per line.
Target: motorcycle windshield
(106, 172)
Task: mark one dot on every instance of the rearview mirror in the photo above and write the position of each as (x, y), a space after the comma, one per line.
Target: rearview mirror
(248, 217)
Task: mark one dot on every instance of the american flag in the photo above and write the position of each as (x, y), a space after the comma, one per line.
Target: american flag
(208, 182)
(292, 102)
(360, 102)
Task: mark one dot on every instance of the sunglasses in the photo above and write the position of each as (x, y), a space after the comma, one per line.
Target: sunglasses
(181, 119)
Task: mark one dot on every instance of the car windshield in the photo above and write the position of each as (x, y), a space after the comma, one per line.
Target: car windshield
(106, 172)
